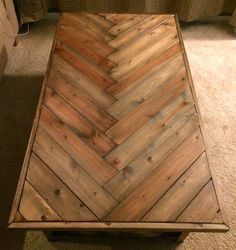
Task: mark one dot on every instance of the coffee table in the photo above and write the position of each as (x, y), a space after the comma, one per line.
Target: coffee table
(117, 142)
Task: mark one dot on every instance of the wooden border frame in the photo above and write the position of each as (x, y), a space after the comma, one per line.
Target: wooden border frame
(139, 226)
(25, 165)
(108, 226)
(217, 190)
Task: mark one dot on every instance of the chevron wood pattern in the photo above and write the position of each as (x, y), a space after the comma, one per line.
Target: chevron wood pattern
(117, 137)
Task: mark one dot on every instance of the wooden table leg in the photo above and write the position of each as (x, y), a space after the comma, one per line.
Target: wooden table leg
(182, 236)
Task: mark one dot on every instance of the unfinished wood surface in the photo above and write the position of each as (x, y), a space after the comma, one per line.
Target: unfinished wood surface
(118, 139)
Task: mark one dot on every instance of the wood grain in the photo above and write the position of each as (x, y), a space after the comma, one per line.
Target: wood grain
(117, 142)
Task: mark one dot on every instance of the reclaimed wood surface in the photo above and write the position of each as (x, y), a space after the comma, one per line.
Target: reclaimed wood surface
(117, 141)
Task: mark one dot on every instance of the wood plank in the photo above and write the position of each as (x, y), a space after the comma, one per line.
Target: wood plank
(130, 82)
(137, 30)
(91, 70)
(135, 144)
(82, 83)
(172, 204)
(223, 214)
(203, 208)
(66, 204)
(135, 206)
(134, 120)
(86, 50)
(89, 39)
(80, 126)
(128, 51)
(86, 188)
(148, 86)
(218, 218)
(165, 41)
(100, 21)
(83, 105)
(157, 227)
(19, 217)
(117, 18)
(85, 23)
(87, 158)
(20, 185)
(178, 130)
(34, 208)
(127, 23)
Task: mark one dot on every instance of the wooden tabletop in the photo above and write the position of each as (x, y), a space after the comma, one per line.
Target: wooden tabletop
(117, 141)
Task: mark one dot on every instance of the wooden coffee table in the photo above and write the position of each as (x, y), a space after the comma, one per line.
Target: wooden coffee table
(117, 141)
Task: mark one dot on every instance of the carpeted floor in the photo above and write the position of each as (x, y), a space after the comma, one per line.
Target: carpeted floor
(211, 49)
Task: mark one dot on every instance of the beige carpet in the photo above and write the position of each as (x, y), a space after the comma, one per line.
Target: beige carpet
(211, 49)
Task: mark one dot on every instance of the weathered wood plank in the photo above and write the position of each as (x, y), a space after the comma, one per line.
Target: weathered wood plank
(135, 144)
(139, 45)
(127, 23)
(86, 157)
(164, 41)
(82, 127)
(176, 132)
(148, 86)
(34, 208)
(137, 30)
(130, 82)
(203, 208)
(85, 23)
(66, 204)
(83, 105)
(137, 226)
(78, 180)
(88, 68)
(134, 207)
(166, 94)
(86, 50)
(89, 39)
(172, 204)
(82, 83)
(117, 18)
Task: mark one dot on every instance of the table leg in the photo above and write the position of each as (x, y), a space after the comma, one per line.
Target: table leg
(182, 237)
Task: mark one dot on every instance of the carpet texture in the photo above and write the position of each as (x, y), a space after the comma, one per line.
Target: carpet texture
(211, 50)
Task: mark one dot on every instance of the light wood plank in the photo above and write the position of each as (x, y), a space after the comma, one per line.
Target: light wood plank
(67, 205)
(143, 56)
(100, 21)
(176, 132)
(89, 39)
(137, 30)
(148, 86)
(83, 105)
(127, 23)
(130, 82)
(169, 207)
(82, 127)
(128, 51)
(34, 208)
(74, 41)
(135, 144)
(86, 188)
(91, 70)
(137, 118)
(87, 158)
(85, 23)
(135, 206)
(82, 83)
(117, 18)
(203, 208)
